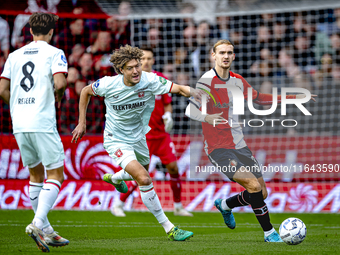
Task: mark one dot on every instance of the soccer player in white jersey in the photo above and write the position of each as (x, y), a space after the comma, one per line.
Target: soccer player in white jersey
(32, 80)
(224, 143)
(130, 99)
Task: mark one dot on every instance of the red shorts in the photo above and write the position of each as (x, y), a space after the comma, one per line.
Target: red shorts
(163, 148)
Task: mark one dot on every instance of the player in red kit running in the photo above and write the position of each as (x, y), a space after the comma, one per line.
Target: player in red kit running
(159, 143)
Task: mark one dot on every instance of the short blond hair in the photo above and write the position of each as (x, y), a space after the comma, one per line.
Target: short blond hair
(220, 42)
(123, 55)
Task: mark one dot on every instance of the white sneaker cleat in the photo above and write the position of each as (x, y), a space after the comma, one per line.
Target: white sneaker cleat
(118, 211)
(182, 212)
(38, 237)
(55, 240)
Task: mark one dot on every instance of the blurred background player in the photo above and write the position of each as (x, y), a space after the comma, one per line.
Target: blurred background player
(27, 85)
(159, 143)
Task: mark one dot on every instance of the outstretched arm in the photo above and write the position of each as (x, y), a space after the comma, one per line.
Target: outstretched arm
(186, 91)
(267, 99)
(80, 129)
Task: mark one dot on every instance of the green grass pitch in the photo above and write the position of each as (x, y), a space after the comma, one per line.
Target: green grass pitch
(101, 233)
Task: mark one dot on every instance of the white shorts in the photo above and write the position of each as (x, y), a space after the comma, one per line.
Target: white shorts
(36, 147)
(124, 153)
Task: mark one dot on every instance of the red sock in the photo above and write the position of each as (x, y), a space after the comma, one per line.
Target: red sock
(175, 183)
(132, 185)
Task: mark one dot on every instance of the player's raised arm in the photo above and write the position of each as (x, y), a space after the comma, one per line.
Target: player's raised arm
(267, 99)
(80, 129)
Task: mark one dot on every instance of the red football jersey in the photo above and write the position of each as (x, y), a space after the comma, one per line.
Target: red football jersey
(156, 122)
(225, 135)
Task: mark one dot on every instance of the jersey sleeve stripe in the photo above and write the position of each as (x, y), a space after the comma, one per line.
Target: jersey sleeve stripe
(171, 87)
(203, 84)
(93, 90)
(59, 72)
(2, 77)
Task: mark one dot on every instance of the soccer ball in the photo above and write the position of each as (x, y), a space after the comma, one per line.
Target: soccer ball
(293, 231)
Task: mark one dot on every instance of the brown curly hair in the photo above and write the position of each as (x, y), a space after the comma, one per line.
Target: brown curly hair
(123, 55)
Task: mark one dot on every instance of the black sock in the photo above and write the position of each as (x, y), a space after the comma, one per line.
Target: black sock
(238, 200)
(260, 209)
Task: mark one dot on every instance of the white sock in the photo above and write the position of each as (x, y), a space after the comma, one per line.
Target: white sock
(119, 203)
(47, 197)
(268, 233)
(178, 205)
(48, 230)
(121, 176)
(151, 201)
(224, 205)
(167, 226)
(34, 191)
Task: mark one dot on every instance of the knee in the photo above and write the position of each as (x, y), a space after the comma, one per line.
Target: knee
(144, 180)
(172, 168)
(253, 186)
(264, 193)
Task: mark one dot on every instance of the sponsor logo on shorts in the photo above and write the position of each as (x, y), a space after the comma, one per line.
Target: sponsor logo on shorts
(162, 80)
(118, 153)
(141, 94)
(233, 163)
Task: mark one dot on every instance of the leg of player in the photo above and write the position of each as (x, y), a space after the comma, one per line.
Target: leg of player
(117, 209)
(55, 177)
(242, 199)
(151, 200)
(254, 188)
(118, 180)
(37, 176)
(176, 186)
(42, 198)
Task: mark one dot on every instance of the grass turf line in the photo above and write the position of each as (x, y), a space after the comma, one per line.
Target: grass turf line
(139, 233)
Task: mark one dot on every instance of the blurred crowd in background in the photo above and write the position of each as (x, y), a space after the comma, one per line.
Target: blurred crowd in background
(290, 49)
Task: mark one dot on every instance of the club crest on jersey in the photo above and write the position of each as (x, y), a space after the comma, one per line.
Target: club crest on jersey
(118, 153)
(162, 80)
(141, 94)
(96, 85)
(63, 58)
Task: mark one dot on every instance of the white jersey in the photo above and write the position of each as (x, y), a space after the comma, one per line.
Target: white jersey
(30, 70)
(128, 109)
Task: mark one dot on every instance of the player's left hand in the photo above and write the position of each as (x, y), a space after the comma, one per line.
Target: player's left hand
(300, 96)
(168, 121)
(78, 132)
(197, 94)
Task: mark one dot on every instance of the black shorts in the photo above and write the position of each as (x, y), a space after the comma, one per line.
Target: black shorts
(230, 160)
